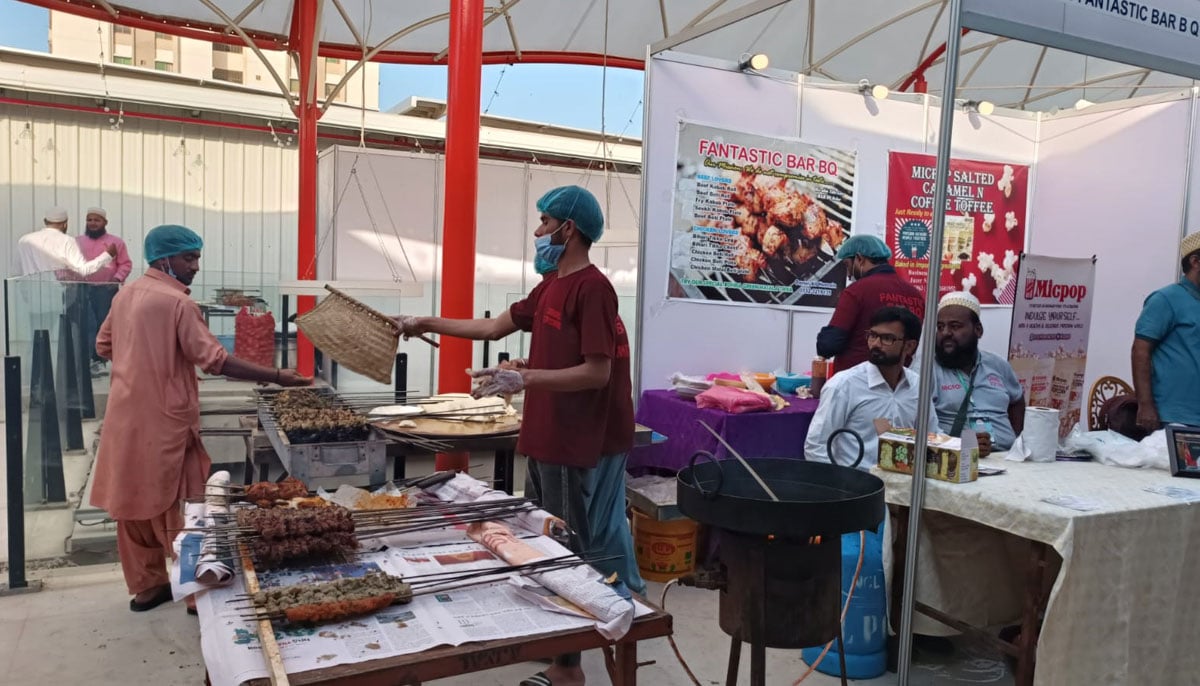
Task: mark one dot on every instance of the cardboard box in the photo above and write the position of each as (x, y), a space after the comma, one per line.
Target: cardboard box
(947, 459)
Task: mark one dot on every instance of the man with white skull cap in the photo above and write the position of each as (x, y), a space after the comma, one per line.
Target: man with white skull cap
(97, 295)
(1166, 348)
(974, 389)
(51, 249)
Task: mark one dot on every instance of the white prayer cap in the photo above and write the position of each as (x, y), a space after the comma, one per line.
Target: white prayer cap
(97, 210)
(1190, 244)
(56, 215)
(960, 298)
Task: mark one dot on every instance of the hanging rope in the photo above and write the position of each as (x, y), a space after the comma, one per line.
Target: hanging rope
(369, 13)
(496, 91)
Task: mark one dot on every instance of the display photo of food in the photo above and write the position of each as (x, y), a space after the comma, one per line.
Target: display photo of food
(759, 220)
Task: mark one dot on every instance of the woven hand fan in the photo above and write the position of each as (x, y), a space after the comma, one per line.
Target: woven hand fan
(355, 335)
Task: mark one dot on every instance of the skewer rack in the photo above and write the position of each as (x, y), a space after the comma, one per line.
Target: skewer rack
(316, 460)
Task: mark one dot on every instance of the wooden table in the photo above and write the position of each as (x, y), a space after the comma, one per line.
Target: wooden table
(1091, 566)
(438, 663)
(1024, 647)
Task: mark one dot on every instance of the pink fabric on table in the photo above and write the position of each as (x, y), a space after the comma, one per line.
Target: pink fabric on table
(733, 400)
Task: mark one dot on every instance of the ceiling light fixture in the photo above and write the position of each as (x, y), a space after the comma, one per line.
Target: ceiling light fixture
(1083, 103)
(755, 62)
(877, 91)
(983, 107)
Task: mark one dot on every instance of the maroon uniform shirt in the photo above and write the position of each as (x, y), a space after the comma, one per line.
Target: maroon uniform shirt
(879, 288)
(570, 318)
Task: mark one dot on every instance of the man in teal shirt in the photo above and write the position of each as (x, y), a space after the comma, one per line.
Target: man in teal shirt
(1166, 348)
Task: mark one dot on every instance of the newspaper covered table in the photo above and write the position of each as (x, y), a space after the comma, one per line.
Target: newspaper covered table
(470, 620)
(1120, 611)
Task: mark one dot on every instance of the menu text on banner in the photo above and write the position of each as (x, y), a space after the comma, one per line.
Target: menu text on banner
(1052, 317)
(985, 224)
(759, 219)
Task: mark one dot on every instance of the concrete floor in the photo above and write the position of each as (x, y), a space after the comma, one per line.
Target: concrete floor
(78, 627)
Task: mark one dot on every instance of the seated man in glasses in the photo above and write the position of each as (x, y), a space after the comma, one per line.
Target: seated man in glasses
(880, 388)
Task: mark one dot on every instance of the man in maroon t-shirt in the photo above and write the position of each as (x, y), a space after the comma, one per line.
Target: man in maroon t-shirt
(876, 286)
(578, 412)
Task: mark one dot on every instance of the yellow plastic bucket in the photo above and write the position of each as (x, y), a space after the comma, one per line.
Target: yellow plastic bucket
(665, 550)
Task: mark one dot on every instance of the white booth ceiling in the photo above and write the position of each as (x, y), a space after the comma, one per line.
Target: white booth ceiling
(882, 41)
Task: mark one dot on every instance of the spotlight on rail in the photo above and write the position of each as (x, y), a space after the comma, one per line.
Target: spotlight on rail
(877, 91)
(755, 62)
(983, 107)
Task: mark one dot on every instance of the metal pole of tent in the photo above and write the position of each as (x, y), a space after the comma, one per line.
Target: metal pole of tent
(15, 471)
(929, 329)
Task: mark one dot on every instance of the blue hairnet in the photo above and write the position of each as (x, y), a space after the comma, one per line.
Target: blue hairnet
(576, 204)
(169, 240)
(870, 247)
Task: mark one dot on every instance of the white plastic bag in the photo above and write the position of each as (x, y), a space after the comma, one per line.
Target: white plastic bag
(1111, 448)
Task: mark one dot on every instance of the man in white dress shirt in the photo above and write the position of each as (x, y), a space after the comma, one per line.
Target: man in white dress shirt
(880, 388)
(51, 249)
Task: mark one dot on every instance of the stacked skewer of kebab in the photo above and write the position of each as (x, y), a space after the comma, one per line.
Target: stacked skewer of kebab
(273, 532)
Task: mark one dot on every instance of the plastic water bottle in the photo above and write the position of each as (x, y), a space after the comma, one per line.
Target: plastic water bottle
(865, 631)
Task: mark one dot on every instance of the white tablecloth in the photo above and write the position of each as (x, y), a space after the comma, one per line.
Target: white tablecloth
(1122, 610)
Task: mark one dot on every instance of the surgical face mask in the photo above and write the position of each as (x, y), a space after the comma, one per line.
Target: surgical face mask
(543, 265)
(547, 253)
(170, 272)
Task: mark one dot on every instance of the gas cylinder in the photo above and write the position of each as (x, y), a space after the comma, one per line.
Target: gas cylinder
(865, 630)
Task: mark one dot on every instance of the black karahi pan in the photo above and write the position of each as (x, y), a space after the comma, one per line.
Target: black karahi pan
(815, 498)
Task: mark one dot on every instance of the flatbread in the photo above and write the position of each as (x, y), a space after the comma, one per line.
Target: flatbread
(396, 411)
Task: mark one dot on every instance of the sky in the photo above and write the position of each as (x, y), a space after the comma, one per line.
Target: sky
(565, 95)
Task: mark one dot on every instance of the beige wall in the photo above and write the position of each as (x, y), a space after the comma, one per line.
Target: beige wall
(85, 39)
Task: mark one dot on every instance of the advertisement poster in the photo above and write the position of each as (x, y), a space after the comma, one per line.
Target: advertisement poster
(1052, 316)
(985, 224)
(759, 219)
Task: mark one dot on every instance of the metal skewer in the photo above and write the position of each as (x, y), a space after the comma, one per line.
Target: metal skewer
(745, 464)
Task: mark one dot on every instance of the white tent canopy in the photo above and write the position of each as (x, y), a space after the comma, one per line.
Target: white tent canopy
(882, 41)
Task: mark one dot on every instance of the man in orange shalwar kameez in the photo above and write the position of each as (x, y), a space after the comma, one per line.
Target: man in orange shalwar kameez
(150, 454)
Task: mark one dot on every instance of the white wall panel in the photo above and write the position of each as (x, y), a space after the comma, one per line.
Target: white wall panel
(1112, 184)
(228, 185)
(826, 116)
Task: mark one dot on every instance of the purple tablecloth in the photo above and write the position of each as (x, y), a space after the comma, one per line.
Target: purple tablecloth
(754, 434)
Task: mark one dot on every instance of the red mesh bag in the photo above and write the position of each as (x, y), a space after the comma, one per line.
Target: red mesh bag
(254, 337)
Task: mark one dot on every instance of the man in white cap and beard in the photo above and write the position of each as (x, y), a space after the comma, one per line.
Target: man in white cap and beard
(1166, 348)
(974, 389)
(52, 250)
(98, 294)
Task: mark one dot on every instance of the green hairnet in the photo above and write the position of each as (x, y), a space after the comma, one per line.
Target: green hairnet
(576, 204)
(870, 247)
(169, 240)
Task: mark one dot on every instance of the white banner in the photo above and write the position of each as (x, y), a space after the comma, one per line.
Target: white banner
(1163, 35)
(1052, 316)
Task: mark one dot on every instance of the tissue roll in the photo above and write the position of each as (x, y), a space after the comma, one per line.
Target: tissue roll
(1041, 433)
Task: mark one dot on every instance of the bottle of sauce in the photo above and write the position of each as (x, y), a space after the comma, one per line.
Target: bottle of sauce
(820, 370)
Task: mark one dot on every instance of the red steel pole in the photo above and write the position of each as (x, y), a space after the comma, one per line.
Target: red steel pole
(304, 41)
(465, 61)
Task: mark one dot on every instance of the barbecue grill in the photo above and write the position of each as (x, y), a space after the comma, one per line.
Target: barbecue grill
(314, 460)
(780, 569)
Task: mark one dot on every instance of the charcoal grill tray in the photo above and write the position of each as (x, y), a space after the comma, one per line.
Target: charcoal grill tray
(815, 498)
(317, 460)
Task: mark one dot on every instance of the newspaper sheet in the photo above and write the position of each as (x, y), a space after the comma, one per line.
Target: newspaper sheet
(497, 610)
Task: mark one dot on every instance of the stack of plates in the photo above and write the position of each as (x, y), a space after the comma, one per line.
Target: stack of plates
(689, 386)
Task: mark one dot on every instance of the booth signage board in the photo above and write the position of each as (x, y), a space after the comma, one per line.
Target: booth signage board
(1163, 35)
(985, 224)
(758, 219)
(1052, 317)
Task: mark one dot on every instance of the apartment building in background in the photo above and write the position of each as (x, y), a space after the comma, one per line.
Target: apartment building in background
(92, 40)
